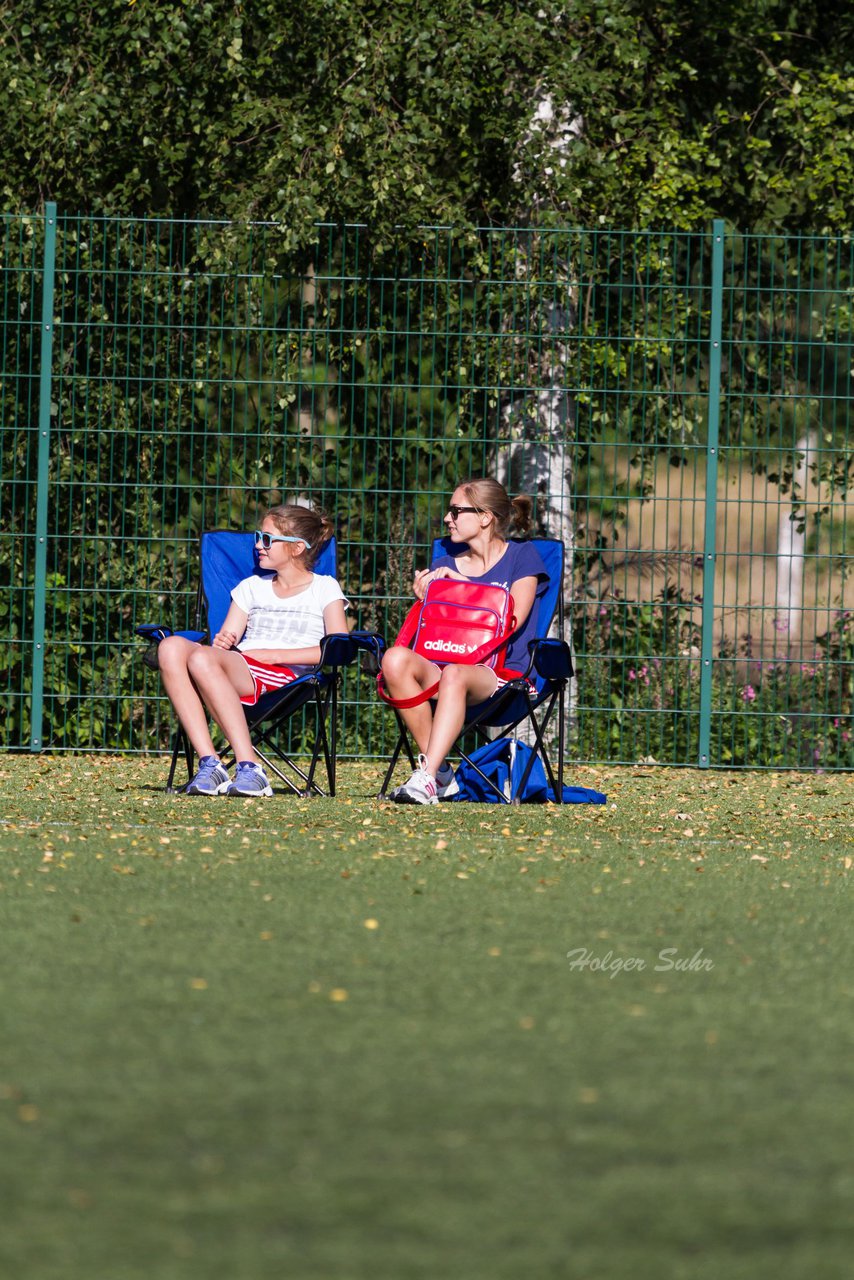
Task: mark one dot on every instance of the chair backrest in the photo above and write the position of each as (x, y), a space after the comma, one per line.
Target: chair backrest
(549, 604)
(227, 556)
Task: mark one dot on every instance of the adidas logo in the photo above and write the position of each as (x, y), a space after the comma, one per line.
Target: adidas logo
(447, 646)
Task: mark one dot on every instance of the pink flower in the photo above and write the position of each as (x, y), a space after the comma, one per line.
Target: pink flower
(748, 693)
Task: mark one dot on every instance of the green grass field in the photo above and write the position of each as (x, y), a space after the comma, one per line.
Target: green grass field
(339, 1039)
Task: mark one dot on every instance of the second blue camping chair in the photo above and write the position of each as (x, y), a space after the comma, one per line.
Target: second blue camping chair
(226, 557)
(549, 670)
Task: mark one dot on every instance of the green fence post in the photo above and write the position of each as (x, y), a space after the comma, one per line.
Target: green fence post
(711, 522)
(43, 476)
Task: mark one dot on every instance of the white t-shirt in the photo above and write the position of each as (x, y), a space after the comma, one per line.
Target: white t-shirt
(295, 622)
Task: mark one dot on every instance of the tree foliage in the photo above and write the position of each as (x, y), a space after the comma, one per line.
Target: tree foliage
(202, 371)
(403, 114)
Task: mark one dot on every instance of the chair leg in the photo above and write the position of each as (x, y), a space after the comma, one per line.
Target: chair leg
(552, 703)
(539, 734)
(283, 777)
(516, 796)
(181, 742)
(264, 735)
(561, 731)
(322, 706)
(332, 754)
(402, 744)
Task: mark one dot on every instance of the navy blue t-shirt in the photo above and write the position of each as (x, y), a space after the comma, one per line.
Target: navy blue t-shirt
(520, 560)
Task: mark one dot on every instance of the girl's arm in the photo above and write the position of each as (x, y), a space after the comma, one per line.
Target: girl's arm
(334, 622)
(232, 628)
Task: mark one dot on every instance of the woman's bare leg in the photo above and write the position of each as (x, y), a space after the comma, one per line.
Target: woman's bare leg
(435, 731)
(459, 688)
(406, 675)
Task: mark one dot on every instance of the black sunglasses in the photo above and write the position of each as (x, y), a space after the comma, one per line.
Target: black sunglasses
(455, 512)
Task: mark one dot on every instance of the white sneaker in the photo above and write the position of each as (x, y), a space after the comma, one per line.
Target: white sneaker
(420, 789)
(446, 782)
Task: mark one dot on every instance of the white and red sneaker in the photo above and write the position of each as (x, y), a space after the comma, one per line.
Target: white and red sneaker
(420, 789)
(446, 782)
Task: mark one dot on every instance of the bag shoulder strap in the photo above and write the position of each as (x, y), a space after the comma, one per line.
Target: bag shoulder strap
(407, 634)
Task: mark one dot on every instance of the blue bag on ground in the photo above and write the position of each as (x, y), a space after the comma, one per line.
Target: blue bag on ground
(504, 761)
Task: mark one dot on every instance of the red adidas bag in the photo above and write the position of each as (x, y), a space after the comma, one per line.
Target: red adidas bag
(461, 622)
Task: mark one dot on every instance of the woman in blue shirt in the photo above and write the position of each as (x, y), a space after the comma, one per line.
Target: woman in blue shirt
(478, 519)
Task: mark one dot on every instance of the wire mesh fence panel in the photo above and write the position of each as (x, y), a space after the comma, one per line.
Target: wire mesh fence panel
(784, 629)
(678, 405)
(21, 245)
(640, 385)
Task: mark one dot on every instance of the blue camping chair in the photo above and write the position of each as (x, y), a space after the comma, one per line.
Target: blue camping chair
(549, 668)
(226, 557)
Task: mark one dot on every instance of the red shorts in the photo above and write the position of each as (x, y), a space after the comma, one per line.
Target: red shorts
(266, 678)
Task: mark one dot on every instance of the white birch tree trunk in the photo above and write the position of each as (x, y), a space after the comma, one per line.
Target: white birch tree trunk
(791, 545)
(534, 454)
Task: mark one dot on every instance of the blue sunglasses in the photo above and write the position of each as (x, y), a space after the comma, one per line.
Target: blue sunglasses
(267, 539)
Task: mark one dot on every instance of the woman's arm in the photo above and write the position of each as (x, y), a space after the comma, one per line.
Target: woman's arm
(524, 592)
(425, 576)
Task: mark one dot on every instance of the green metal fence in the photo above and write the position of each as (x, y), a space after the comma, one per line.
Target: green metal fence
(679, 405)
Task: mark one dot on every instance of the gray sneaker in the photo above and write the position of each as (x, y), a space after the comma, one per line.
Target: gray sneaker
(211, 778)
(250, 780)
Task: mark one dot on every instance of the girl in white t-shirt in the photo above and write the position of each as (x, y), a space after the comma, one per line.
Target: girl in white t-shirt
(270, 636)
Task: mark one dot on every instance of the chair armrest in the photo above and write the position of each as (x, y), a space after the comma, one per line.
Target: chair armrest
(373, 646)
(342, 648)
(154, 633)
(551, 659)
(157, 632)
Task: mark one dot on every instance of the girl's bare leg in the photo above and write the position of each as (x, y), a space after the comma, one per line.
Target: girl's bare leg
(200, 679)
